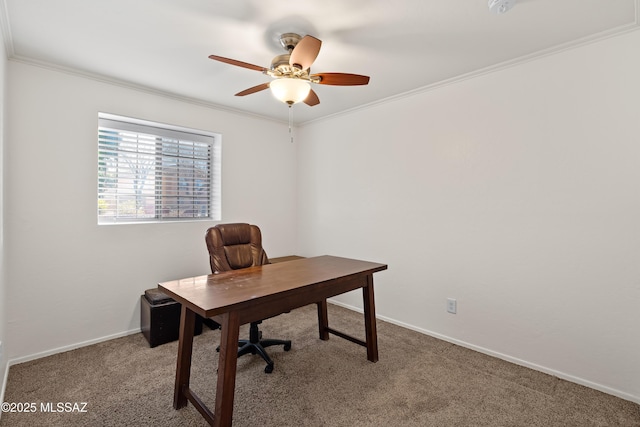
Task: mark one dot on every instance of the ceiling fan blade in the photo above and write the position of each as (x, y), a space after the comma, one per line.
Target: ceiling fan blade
(312, 99)
(254, 89)
(305, 52)
(238, 63)
(342, 79)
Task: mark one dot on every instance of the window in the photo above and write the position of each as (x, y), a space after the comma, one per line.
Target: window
(151, 172)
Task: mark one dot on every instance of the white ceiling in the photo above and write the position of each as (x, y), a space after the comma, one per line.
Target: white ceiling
(404, 45)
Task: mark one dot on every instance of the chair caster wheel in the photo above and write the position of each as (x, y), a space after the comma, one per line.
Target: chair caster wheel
(287, 347)
(268, 369)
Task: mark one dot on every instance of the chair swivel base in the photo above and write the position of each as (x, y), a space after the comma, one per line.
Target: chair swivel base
(256, 345)
(246, 346)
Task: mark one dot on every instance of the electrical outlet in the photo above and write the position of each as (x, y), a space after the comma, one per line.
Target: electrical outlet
(452, 306)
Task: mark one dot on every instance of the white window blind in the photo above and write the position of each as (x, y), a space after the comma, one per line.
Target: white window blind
(153, 172)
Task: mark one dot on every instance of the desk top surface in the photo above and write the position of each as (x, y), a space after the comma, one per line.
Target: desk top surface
(215, 292)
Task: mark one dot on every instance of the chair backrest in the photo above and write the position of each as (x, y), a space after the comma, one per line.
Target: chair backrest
(235, 246)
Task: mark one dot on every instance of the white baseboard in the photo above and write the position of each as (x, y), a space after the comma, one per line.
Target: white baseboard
(40, 355)
(544, 369)
(35, 356)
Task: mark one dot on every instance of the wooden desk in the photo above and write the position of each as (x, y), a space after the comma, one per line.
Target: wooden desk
(242, 296)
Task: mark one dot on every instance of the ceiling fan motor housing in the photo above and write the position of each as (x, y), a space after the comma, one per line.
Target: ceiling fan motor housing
(281, 62)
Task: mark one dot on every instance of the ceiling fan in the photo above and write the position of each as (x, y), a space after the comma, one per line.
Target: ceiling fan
(291, 72)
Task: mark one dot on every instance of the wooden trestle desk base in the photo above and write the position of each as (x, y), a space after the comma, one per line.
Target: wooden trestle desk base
(242, 296)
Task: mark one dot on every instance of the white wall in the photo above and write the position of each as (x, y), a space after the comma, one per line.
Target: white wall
(3, 342)
(73, 282)
(515, 192)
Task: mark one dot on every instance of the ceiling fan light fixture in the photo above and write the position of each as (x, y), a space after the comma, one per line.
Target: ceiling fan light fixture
(290, 91)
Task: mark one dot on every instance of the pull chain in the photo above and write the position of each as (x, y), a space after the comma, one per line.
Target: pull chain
(290, 122)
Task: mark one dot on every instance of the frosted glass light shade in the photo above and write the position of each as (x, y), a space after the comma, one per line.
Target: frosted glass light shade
(290, 91)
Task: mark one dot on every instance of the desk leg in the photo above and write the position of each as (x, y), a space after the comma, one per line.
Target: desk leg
(185, 348)
(370, 320)
(323, 320)
(227, 363)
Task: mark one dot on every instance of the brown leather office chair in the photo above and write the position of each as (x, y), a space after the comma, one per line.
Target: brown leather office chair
(236, 246)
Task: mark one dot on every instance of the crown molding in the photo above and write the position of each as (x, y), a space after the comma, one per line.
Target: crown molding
(5, 28)
(614, 32)
(101, 78)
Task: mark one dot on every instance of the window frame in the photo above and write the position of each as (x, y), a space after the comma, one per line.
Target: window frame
(165, 135)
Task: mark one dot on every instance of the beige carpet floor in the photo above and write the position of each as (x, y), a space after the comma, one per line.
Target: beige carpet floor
(419, 381)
